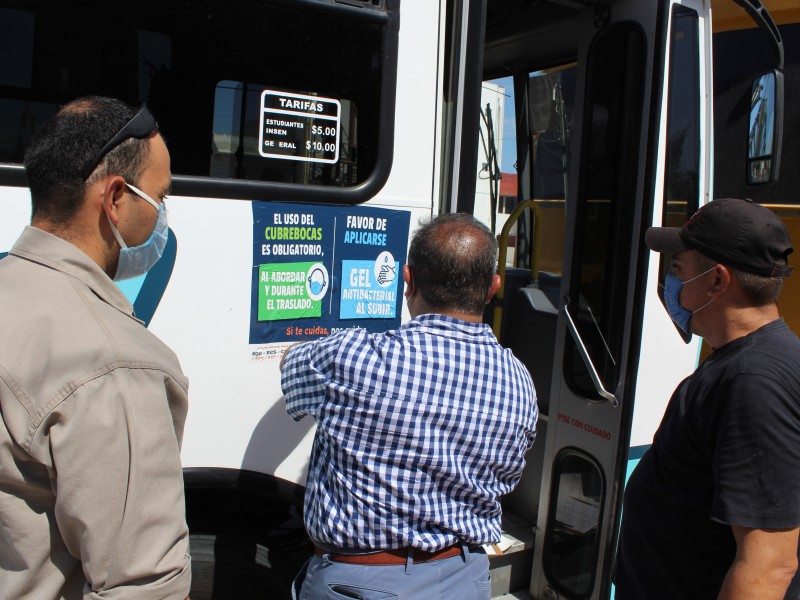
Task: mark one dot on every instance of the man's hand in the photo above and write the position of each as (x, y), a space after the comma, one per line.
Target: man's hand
(766, 561)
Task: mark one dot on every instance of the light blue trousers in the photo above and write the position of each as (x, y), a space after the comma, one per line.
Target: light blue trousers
(462, 577)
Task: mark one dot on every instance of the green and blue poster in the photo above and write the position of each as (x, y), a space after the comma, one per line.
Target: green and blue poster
(319, 269)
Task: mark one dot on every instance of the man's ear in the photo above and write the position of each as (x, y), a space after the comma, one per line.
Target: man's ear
(408, 277)
(113, 193)
(722, 280)
(493, 288)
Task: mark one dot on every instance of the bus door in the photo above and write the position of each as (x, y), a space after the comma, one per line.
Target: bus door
(586, 102)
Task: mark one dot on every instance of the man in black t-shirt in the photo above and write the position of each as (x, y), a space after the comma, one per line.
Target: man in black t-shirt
(713, 508)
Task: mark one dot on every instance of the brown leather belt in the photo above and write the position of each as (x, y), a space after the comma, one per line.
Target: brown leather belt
(390, 557)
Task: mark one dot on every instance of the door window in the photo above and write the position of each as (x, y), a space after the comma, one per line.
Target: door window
(572, 533)
(606, 199)
(682, 182)
(683, 152)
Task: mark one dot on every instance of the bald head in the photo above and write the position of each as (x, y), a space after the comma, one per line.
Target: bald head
(453, 260)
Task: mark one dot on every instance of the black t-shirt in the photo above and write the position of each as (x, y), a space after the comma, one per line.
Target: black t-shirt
(727, 452)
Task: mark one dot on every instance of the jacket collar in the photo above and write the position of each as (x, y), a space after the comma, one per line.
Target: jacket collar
(48, 250)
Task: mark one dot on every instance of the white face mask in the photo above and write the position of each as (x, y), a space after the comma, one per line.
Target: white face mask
(138, 260)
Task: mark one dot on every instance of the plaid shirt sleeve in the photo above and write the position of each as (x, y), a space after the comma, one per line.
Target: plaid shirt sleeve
(307, 371)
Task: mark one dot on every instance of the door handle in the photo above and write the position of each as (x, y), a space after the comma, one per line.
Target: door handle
(587, 360)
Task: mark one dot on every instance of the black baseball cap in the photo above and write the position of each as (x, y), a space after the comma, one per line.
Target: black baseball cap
(735, 232)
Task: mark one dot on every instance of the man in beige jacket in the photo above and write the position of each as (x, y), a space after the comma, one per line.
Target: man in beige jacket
(92, 405)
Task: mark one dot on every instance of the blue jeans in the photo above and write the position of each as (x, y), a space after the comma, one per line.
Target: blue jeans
(462, 577)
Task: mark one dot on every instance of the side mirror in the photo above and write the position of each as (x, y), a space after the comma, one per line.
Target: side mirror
(765, 128)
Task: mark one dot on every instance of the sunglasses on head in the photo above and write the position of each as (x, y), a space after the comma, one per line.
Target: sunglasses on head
(139, 127)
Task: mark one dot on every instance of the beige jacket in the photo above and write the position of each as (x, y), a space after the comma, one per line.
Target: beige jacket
(92, 413)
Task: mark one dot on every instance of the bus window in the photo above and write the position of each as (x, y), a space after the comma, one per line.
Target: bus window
(606, 197)
(259, 92)
(574, 522)
(16, 56)
(496, 152)
(551, 105)
(238, 148)
(683, 152)
(682, 169)
(155, 54)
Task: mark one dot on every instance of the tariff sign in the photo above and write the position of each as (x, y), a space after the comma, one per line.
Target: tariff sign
(299, 127)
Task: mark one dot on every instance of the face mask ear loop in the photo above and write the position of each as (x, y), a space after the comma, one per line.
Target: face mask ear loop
(142, 195)
(694, 312)
(697, 310)
(706, 272)
(116, 233)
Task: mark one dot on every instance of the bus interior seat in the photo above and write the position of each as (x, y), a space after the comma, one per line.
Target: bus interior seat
(529, 326)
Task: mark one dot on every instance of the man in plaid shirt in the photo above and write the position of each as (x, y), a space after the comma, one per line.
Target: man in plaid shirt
(420, 430)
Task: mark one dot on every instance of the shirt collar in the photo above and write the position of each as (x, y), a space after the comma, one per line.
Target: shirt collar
(435, 321)
(41, 247)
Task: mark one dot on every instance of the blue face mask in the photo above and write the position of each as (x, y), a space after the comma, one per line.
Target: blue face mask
(138, 260)
(672, 293)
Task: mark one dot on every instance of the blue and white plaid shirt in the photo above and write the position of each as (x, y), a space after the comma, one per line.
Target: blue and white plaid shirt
(420, 431)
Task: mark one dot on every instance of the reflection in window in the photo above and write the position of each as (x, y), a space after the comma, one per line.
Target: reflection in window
(17, 118)
(761, 164)
(682, 168)
(234, 151)
(155, 53)
(495, 129)
(201, 67)
(605, 207)
(571, 547)
(682, 185)
(762, 117)
(551, 106)
(16, 48)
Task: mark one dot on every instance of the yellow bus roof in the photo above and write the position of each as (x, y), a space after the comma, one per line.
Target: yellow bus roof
(728, 15)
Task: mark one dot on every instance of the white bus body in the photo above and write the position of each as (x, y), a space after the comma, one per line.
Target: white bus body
(612, 106)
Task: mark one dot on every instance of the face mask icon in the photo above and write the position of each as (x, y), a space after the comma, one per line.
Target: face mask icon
(317, 281)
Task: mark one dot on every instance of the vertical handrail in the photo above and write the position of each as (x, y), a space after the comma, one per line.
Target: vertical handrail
(503, 254)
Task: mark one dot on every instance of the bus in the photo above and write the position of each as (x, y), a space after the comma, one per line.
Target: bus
(310, 137)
